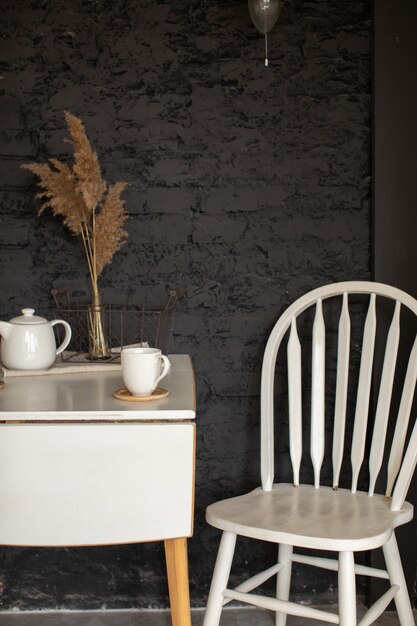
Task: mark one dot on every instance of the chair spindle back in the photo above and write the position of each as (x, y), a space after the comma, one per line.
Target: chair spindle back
(400, 466)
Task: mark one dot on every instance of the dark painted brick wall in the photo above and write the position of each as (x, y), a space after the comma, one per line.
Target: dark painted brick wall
(248, 186)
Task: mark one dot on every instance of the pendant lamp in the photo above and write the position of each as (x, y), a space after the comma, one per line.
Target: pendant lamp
(264, 15)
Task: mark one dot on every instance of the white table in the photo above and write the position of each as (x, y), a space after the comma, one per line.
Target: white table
(78, 467)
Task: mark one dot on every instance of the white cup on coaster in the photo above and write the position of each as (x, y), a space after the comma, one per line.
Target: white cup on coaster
(141, 369)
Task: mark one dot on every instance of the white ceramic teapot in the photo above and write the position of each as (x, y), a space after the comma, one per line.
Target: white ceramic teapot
(28, 341)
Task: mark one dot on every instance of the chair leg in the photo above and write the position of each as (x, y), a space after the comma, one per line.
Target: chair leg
(283, 580)
(347, 589)
(220, 578)
(396, 575)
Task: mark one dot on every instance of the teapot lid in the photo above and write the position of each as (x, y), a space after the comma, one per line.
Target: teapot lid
(28, 317)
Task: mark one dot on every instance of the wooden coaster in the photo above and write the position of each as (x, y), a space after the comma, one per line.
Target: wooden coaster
(2, 384)
(124, 394)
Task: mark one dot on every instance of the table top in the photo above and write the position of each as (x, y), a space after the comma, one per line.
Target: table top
(88, 397)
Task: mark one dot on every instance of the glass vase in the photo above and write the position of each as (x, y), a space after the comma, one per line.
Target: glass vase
(98, 345)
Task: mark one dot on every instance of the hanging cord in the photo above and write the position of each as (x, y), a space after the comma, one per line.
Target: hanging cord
(266, 50)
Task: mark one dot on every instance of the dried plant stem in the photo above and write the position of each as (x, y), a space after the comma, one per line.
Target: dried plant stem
(97, 337)
(89, 242)
(94, 247)
(86, 243)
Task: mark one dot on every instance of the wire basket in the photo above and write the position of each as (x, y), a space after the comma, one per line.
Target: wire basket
(141, 324)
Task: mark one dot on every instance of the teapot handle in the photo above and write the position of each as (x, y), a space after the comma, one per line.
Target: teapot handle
(67, 337)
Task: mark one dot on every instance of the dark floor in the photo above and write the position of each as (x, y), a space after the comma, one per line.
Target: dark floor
(230, 617)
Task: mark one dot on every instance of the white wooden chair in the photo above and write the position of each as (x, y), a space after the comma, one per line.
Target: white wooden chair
(330, 518)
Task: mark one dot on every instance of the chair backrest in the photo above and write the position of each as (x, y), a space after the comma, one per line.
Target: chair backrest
(402, 458)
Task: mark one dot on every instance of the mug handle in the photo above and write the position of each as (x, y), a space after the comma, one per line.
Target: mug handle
(67, 337)
(167, 367)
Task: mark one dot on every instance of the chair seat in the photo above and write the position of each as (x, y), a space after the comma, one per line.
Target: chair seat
(312, 518)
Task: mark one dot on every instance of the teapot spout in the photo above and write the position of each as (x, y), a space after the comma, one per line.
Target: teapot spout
(5, 329)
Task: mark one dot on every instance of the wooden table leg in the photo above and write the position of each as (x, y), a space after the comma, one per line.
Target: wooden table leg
(177, 571)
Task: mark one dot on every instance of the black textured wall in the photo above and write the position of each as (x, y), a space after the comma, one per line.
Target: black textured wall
(248, 186)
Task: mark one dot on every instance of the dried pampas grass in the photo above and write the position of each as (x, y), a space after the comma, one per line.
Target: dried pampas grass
(87, 205)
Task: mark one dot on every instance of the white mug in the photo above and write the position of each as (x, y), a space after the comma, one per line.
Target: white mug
(141, 369)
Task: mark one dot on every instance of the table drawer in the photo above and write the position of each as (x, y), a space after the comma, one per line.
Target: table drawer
(95, 484)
